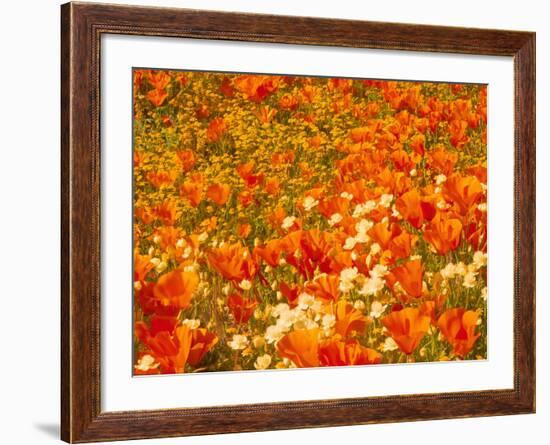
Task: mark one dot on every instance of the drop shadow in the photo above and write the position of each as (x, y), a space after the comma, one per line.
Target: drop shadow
(49, 429)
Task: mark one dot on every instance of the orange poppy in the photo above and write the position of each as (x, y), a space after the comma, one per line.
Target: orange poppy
(246, 172)
(167, 212)
(349, 319)
(157, 96)
(202, 341)
(176, 288)
(301, 347)
(272, 186)
(219, 193)
(464, 191)
(409, 206)
(241, 308)
(216, 129)
(335, 352)
(243, 230)
(291, 293)
(409, 275)
(192, 191)
(160, 178)
(459, 328)
(443, 233)
(270, 252)
(325, 287)
(402, 244)
(266, 114)
(158, 79)
(407, 327)
(233, 262)
(142, 266)
(186, 159)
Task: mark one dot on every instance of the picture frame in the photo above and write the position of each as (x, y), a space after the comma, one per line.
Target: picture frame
(82, 26)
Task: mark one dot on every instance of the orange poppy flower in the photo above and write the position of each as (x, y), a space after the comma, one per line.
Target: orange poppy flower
(219, 193)
(158, 79)
(167, 212)
(142, 266)
(402, 244)
(246, 172)
(409, 275)
(157, 96)
(417, 143)
(407, 327)
(233, 262)
(169, 236)
(335, 352)
(202, 341)
(291, 293)
(241, 308)
(442, 160)
(349, 319)
(186, 159)
(266, 114)
(270, 252)
(272, 186)
(160, 178)
(243, 230)
(443, 233)
(458, 326)
(192, 191)
(256, 88)
(288, 102)
(325, 287)
(216, 129)
(301, 347)
(170, 349)
(245, 198)
(176, 288)
(409, 206)
(464, 191)
(457, 130)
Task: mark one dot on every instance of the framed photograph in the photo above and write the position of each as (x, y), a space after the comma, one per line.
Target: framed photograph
(275, 222)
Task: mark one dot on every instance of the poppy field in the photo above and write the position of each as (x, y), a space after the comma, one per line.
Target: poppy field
(293, 222)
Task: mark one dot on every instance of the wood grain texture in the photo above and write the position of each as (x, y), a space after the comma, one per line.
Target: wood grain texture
(81, 28)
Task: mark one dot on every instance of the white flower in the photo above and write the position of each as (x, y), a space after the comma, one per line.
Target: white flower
(362, 209)
(469, 279)
(347, 276)
(346, 195)
(288, 222)
(157, 239)
(378, 271)
(146, 363)
(309, 203)
(377, 309)
(335, 219)
(413, 172)
(137, 285)
(442, 205)
(239, 342)
(449, 271)
(350, 243)
(161, 266)
(155, 261)
(461, 269)
(328, 321)
(480, 259)
(482, 207)
(440, 179)
(180, 243)
(187, 252)
(363, 226)
(245, 285)
(375, 248)
(484, 293)
(372, 286)
(359, 305)
(263, 362)
(385, 200)
(281, 308)
(191, 323)
(389, 345)
(305, 301)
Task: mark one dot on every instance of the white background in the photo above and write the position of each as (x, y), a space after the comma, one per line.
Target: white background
(29, 184)
(120, 53)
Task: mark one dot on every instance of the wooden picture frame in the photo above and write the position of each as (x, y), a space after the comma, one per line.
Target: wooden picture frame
(82, 25)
